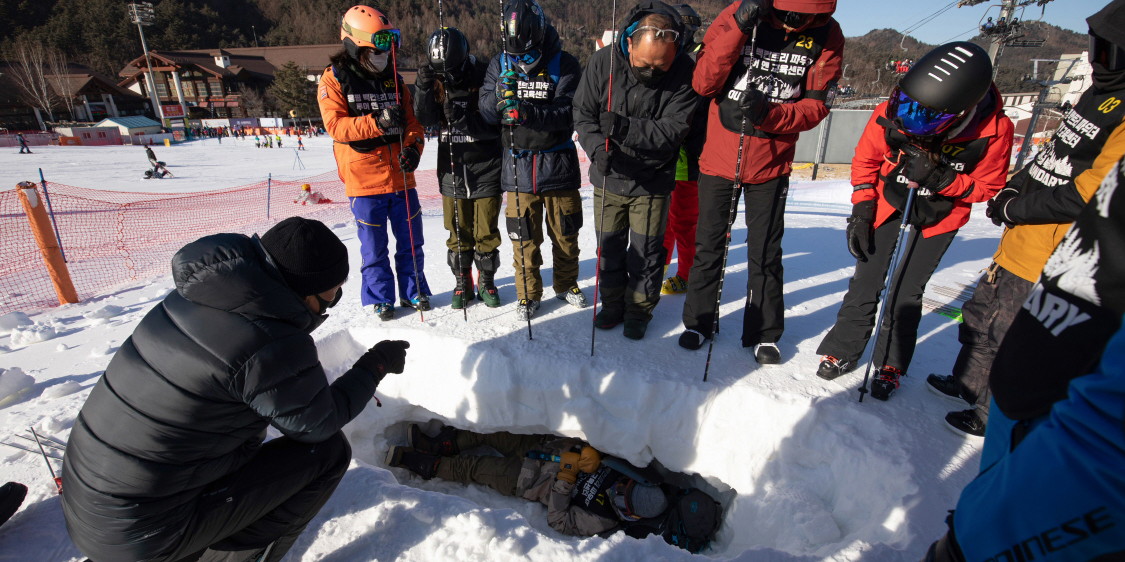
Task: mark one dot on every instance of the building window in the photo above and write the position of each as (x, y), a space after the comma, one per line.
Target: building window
(216, 89)
(188, 90)
(161, 90)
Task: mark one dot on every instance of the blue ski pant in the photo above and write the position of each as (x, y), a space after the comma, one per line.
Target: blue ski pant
(402, 213)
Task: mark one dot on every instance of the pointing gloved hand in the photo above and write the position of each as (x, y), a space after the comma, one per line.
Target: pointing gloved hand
(754, 105)
(408, 159)
(998, 207)
(390, 117)
(388, 356)
(425, 78)
(860, 242)
(749, 13)
(920, 168)
(614, 125)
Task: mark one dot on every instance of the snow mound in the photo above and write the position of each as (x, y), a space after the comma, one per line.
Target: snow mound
(60, 390)
(13, 320)
(13, 381)
(107, 311)
(35, 333)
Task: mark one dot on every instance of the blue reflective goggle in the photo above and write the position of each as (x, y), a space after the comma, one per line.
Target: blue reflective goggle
(917, 119)
(527, 58)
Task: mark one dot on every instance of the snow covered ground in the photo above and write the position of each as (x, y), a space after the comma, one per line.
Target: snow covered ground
(804, 471)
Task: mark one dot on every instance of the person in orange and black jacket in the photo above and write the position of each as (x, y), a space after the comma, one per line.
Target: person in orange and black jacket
(943, 132)
(367, 110)
(771, 73)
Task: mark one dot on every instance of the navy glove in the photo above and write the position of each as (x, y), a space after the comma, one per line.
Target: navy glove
(749, 13)
(388, 356)
(390, 117)
(408, 159)
(859, 230)
(614, 125)
(998, 207)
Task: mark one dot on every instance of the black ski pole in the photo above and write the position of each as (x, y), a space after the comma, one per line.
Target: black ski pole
(733, 212)
(405, 195)
(504, 62)
(55, 479)
(605, 179)
(449, 131)
(896, 257)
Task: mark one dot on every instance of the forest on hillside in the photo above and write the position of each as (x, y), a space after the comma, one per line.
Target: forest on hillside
(98, 33)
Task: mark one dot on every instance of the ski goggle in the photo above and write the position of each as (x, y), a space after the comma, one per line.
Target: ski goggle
(664, 35)
(383, 39)
(1106, 53)
(527, 58)
(917, 119)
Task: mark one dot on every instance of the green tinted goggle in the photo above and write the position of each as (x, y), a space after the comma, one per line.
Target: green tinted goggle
(383, 39)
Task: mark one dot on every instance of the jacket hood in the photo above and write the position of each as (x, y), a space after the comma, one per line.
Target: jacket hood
(233, 273)
(1109, 23)
(629, 23)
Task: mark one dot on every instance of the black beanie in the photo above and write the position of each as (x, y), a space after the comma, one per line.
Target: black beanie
(311, 259)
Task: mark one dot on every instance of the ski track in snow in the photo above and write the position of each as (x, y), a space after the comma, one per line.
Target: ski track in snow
(804, 471)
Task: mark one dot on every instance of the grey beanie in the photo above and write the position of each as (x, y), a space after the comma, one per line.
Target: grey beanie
(646, 501)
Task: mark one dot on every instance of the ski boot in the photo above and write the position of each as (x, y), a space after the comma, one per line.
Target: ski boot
(422, 464)
(525, 309)
(635, 328)
(487, 264)
(886, 381)
(385, 311)
(965, 423)
(692, 339)
(831, 368)
(444, 444)
(573, 296)
(420, 302)
(609, 317)
(673, 285)
(947, 387)
(462, 268)
(767, 354)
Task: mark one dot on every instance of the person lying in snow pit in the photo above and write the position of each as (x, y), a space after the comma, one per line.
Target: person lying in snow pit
(585, 494)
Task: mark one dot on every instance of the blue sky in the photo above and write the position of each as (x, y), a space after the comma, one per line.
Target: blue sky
(857, 17)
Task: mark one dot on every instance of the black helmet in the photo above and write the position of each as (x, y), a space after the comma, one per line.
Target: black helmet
(524, 26)
(692, 23)
(447, 50)
(939, 90)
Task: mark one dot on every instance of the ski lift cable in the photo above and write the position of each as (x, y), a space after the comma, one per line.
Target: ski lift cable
(970, 30)
(929, 18)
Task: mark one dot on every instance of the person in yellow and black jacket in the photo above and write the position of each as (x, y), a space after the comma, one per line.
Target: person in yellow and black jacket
(367, 110)
(1037, 206)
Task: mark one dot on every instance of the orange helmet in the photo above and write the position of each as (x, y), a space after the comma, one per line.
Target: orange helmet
(367, 27)
(305, 187)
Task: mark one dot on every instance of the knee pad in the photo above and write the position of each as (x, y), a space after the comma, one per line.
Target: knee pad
(488, 262)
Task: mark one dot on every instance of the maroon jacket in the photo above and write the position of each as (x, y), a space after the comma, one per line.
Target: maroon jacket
(769, 147)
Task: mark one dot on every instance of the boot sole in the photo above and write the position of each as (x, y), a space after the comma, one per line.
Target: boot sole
(954, 399)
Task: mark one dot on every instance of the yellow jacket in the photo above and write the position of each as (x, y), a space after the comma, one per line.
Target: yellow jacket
(1025, 248)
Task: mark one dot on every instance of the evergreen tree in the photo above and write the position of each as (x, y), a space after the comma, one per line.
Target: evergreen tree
(293, 90)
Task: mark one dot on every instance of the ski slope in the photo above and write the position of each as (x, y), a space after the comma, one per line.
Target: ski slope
(804, 471)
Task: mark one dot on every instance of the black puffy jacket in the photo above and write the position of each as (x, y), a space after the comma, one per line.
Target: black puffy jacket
(187, 399)
(659, 116)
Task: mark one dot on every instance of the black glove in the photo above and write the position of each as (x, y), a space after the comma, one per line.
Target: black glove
(920, 169)
(387, 356)
(998, 207)
(749, 13)
(390, 117)
(614, 125)
(754, 105)
(602, 159)
(408, 159)
(425, 78)
(454, 112)
(860, 243)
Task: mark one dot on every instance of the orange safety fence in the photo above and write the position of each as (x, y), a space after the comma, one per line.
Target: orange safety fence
(109, 238)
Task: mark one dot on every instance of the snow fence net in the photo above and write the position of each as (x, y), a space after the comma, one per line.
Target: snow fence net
(110, 238)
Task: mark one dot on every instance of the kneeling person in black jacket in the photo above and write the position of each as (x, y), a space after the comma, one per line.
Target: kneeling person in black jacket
(166, 460)
(652, 108)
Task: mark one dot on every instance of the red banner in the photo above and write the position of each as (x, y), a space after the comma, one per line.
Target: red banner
(172, 110)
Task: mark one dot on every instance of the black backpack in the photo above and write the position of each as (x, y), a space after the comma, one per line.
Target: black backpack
(690, 523)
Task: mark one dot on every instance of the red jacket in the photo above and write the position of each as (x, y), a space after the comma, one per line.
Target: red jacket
(762, 159)
(872, 159)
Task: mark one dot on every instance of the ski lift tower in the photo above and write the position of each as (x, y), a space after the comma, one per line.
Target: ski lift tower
(143, 14)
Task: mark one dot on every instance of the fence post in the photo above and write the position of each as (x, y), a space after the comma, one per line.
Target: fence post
(54, 223)
(269, 187)
(820, 142)
(48, 245)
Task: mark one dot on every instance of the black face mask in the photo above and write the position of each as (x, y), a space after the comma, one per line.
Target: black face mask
(325, 305)
(647, 76)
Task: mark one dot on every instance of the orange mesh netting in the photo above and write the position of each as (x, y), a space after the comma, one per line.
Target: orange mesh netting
(111, 237)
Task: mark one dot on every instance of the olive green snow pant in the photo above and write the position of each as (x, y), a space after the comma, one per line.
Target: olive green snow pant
(498, 473)
(525, 214)
(632, 251)
(478, 224)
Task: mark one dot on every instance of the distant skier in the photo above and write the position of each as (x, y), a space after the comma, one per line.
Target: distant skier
(151, 155)
(278, 139)
(300, 145)
(309, 197)
(944, 133)
(257, 142)
(23, 144)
